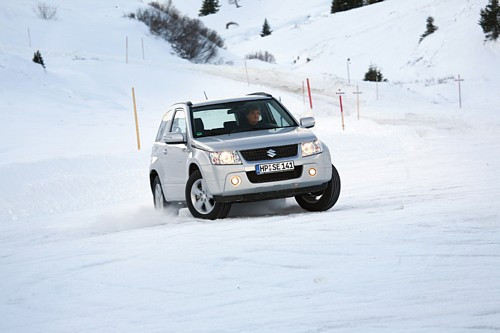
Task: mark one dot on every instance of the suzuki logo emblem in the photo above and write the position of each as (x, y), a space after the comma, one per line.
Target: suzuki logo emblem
(271, 153)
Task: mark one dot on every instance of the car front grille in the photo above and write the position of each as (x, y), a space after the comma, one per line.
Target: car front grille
(262, 154)
(253, 177)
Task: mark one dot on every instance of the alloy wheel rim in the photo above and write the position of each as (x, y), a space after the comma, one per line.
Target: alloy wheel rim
(158, 196)
(202, 200)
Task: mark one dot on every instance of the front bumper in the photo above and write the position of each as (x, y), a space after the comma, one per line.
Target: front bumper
(270, 195)
(218, 179)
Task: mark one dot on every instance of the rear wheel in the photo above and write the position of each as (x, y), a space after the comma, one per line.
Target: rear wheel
(322, 200)
(158, 197)
(200, 202)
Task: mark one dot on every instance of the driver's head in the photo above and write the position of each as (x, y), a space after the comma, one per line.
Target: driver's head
(253, 114)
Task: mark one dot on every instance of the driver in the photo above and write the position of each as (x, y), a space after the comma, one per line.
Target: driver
(252, 115)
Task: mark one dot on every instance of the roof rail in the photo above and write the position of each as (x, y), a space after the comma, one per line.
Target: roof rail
(260, 93)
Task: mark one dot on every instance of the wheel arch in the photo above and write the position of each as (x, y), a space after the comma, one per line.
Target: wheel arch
(192, 168)
(152, 175)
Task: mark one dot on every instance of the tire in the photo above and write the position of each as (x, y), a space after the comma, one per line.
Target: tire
(158, 197)
(200, 202)
(323, 200)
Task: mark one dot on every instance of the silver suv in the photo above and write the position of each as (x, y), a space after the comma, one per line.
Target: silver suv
(212, 154)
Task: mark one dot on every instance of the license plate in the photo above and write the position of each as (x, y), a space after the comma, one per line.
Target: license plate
(261, 169)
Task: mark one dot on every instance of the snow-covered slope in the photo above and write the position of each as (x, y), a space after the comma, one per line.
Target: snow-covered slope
(386, 34)
(411, 245)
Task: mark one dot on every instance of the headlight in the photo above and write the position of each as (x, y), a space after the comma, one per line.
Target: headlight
(311, 148)
(225, 157)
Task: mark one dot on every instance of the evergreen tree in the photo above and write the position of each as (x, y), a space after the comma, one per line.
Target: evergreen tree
(209, 7)
(431, 28)
(37, 58)
(266, 29)
(374, 74)
(490, 20)
(343, 5)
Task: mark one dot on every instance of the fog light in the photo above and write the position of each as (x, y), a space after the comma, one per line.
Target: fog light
(235, 180)
(312, 172)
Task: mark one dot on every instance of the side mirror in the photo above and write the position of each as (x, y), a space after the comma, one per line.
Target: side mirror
(307, 122)
(173, 138)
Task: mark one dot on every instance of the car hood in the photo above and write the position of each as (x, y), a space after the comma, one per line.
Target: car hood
(255, 139)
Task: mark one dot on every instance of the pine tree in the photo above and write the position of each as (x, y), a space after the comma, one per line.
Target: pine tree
(343, 5)
(209, 7)
(266, 29)
(490, 20)
(374, 74)
(37, 58)
(431, 28)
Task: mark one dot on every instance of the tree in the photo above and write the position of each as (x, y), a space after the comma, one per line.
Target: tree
(431, 28)
(343, 5)
(45, 12)
(490, 20)
(209, 7)
(37, 58)
(189, 38)
(374, 74)
(371, 2)
(264, 56)
(266, 29)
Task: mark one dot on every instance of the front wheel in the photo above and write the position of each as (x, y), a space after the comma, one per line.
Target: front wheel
(322, 200)
(200, 202)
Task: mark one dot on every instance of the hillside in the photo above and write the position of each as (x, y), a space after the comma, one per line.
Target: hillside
(386, 34)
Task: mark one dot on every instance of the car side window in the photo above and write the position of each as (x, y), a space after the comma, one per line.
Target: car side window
(164, 125)
(277, 117)
(179, 122)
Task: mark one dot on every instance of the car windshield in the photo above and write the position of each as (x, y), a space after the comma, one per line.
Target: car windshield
(243, 116)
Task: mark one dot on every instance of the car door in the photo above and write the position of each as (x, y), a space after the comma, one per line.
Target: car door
(159, 151)
(175, 158)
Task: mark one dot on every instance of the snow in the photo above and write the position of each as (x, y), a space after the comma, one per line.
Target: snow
(412, 244)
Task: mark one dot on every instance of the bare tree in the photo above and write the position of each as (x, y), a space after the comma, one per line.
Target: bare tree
(263, 56)
(234, 2)
(45, 12)
(189, 37)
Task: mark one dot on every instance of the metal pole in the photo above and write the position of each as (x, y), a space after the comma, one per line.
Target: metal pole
(29, 37)
(303, 94)
(357, 93)
(246, 69)
(348, 74)
(459, 90)
(142, 43)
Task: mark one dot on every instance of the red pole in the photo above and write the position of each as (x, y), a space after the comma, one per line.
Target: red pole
(340, 93)
(309, 92)
(342, 112)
